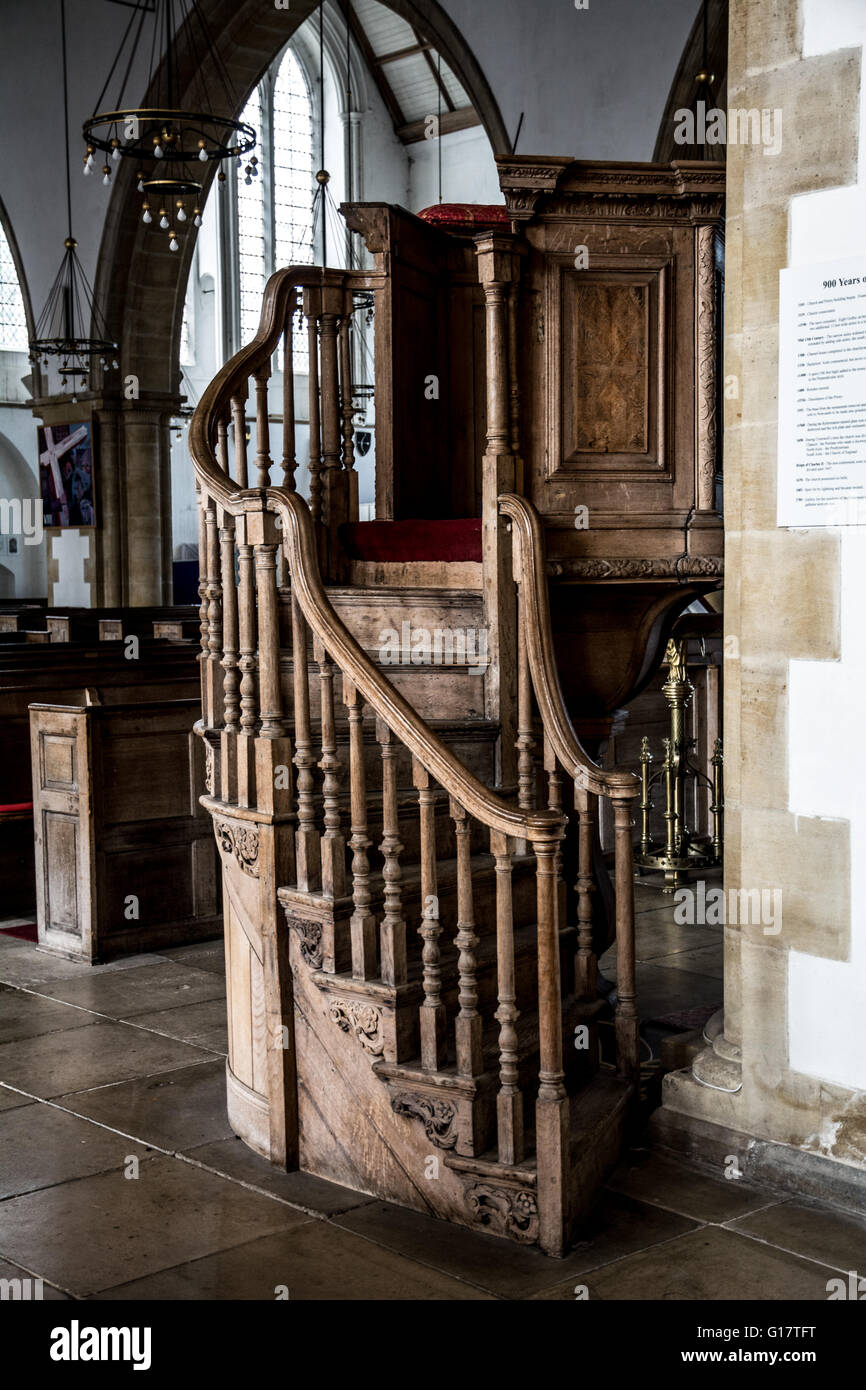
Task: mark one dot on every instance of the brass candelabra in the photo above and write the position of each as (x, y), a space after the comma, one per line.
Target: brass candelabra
(682, 849)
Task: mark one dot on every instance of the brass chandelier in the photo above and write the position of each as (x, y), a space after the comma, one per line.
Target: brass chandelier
(170, 143)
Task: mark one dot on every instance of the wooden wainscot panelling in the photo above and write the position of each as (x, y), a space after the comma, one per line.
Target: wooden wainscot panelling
(61, 753)
(125, 855)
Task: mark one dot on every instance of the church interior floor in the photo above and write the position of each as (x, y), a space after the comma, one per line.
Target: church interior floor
(120, 1177)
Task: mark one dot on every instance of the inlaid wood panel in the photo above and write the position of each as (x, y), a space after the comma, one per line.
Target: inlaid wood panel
(60, 838)
(611, 389)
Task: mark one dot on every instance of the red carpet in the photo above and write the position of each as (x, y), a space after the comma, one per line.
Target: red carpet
(458, 539)
(27, 932)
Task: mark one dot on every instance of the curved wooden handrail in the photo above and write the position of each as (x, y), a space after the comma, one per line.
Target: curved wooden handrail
(299, 545)
(238, 369)
(529, 565)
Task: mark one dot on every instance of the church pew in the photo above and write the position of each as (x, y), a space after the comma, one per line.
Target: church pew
(63, 674)
(111, 624)
(125, 855)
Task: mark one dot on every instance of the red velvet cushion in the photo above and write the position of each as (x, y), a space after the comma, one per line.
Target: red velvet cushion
(467, 217)
(459, 539)
(11, 807)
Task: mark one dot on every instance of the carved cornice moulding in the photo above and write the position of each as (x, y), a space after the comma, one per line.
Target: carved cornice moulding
(691, 567)
(690, 191)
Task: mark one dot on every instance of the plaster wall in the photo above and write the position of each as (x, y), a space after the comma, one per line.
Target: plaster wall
(792, 1061)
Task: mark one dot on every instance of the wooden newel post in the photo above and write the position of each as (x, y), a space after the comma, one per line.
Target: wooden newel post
(552, 1108)
(213, 698)
(498, 268)
(627, 1023)
(228, 788)
(335, 494)
(273, 750)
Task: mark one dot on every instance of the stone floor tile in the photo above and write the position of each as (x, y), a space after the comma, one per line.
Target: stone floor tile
(172, 1110)
(153, 987)
(813, 1230)
(106, 1230)
(620, 1226)
(10, 1100)
(653, 1177)
(312, 1262)
(25, 1015)
(205, 955)
(41, 1145)
(708, 1265)
(48, 1292)
(80, 1058)
(235, 1160)
(30, 966)
(709, 960)
(188, 1022)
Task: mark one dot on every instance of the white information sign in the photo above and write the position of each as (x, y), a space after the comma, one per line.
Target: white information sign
(822, 394)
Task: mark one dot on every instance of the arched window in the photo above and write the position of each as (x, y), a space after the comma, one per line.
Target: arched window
(274, 208)
(13, 319)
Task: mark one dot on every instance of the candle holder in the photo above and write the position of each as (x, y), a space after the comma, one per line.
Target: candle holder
(682, 850)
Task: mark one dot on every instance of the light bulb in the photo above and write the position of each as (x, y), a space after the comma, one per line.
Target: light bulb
(106, 178)
(197, 220)
(90, 159)
(246, 180)
(86, 169)
(172, 245)
(163, 222)
(114, 364)
(146, 216)
(115, 154)
(140, 186)
(202, 154)
(157, 150)
(181, 215)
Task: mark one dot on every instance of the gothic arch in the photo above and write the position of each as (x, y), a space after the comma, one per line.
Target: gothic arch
(140, 283)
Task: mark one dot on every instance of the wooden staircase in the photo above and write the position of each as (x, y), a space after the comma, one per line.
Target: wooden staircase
(413, 1008)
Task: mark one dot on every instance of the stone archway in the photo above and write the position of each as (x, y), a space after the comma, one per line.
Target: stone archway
(141, 286)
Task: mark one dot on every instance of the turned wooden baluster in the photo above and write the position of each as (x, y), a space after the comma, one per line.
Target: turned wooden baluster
(347, 409)
(333, 845)
(239, 430)
(290, 462)
(330, 403)
(263, 431)
(222, 448)
(554, 803)
(231, 679)
(363, 924)
(627, 1023)
(509, 1102)
(525, 743)
(270, 692)
(204, 623)
(231, 676)
(432, 1014)
(468, 1022)
(315, 461)
(587, 964)
(307, 852)
(551, 1110)
(393, 926)
(214, 696)
(247, 664)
